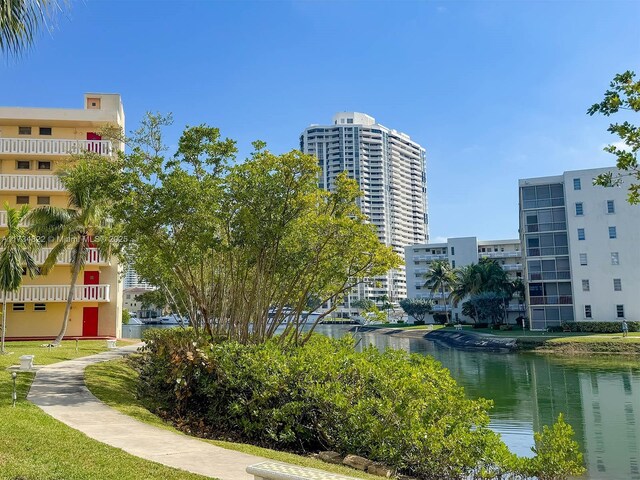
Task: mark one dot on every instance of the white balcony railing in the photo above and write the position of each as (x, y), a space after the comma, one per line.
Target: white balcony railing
(438, 256)
(58, 293)
(93, 257)
(509, 254)
(512, 267)
(48, 183)
(52, 146)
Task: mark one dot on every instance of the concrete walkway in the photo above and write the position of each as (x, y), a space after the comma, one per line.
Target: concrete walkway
(60, 391)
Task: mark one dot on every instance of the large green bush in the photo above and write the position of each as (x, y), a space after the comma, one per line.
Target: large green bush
(599, 327)
(401, 409)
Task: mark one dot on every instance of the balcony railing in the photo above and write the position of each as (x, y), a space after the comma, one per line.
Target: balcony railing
(48, 183)
(552, 300)
(509, 254)
(511, 267)
(437, 256)
(52, 146)
(93, 257)
(58, 293)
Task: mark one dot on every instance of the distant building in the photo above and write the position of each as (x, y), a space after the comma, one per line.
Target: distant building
(581, 250)
(390, 169)
(460, 252)
(133, 280)
(136, 307)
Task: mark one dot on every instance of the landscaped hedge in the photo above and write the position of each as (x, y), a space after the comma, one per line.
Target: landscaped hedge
(597, 327)
(400, 409)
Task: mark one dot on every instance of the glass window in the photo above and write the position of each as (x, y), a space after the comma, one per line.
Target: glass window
(45, 130)
(44, 200)
(611, 206)
(587, 311)
(23, 165)
(44, 165)
(18, 307)
(24, 130)
(581, 234)
(39, 307)
(453, 250)
(583, 259)
(22, 200)
(579, 208)
(617, 284)
(620, 311)
(612, 232)
(585, 285)
(576, 184)
(615, 259)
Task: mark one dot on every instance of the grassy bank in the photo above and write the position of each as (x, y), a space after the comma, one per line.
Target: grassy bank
(595, 343)
(35, 446)
(114, 383)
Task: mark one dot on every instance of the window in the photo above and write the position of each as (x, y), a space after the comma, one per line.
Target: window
(579, 208)
(453, 264)
(45, 130)
(581, 234)
(583, 259)
(611, 207)
(585, 285)
(587, 311)
(612, 232)
(44, 200)
(617, 284)
(24, 130)
(44, 165)
(453, 250)
(615, 259)
(39, 307)
(22, 199)
(23, 165)
(576, 184)
(18, 307)
(620, 311)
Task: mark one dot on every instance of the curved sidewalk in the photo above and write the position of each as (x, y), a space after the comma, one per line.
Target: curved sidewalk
(60, 391)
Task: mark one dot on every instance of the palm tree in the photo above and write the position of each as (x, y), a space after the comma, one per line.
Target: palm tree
(20, 21)
(468, 281)
(440, 277)
(73, 228)
(18, 247)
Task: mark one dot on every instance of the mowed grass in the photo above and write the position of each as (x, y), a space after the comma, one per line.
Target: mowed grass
(34, 446)
(632, 337)
(114, 383)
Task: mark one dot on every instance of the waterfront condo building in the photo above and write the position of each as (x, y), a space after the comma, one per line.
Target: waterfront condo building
(581, 250)
(460, 252)
(34, 142)
(390, 169)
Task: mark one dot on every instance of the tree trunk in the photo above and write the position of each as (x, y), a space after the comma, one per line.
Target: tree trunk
(4, 319)
(67, 309)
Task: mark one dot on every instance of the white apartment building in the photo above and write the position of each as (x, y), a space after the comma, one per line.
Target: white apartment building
(460, 252)
(390, 169)
(133, 280)
(581, 249)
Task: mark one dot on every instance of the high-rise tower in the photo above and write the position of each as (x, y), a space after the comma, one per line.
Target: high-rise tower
(390, 169)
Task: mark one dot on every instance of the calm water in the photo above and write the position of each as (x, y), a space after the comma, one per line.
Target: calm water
(599, 397)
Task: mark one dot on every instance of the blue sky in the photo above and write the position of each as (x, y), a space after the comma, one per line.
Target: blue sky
(495, 91)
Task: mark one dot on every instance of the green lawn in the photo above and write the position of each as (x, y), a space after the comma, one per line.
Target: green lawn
(633, 337)
(35, 446)
(114, 383)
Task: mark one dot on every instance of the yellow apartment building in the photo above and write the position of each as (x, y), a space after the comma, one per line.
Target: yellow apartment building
(33, 143)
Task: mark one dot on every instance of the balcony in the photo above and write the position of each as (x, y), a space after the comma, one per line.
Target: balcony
(552, 300)
(510, 254)
(93, 257)
(58, 293)
(512, 267)
(57, 147)
(431, 257)
(31, 183)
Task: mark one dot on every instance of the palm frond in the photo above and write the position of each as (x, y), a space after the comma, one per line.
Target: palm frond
(20, 21)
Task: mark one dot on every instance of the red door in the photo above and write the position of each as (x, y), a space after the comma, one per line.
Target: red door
(91, 278)
(90, 322)
(94, 146)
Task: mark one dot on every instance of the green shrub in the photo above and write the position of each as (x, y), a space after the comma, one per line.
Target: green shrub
(401, 409)
(419, 322)
(506, 327)
(599, 327)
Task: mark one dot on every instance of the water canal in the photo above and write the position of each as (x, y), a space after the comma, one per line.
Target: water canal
(599, 397)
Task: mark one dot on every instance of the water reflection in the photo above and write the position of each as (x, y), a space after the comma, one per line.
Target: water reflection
(600, 398)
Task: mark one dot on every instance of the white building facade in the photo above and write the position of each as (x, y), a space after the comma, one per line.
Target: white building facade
(581, 250)
(460, 252)
(390, 169)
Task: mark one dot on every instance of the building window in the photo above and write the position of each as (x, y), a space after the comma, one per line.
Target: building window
(44, 200)
(581, 234)
(453, 250)
(44, 165)
(583, 259)
(612, 232)
(585, 285)
(579, 208)
(587, 311)
(23, 165)
(611, 206)
(620, 311)
(45, 130)
(615, 259)
(453, 264)
(617, 284)
(24, 130)
(22, 200)
(576, 184)
(39, 307)
(18, 307)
